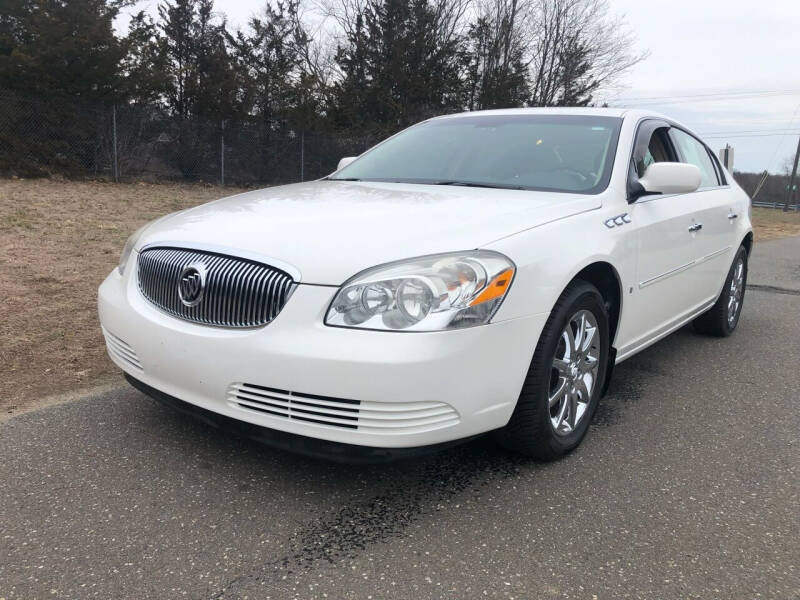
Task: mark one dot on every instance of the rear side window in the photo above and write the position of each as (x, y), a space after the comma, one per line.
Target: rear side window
(693, 151)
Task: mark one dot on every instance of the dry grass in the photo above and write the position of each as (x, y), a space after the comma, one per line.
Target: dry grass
(773, 223)
(58, 241)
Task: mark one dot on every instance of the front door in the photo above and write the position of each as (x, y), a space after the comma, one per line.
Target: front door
(666, 278)
(666, 227)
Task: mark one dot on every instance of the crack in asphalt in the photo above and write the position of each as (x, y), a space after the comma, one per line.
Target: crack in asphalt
(774, 289)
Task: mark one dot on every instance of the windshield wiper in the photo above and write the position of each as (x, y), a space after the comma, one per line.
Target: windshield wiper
(342, 179)
(499, 186)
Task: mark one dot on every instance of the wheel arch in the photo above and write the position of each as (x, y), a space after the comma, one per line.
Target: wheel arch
(606, 279)
(747, 242)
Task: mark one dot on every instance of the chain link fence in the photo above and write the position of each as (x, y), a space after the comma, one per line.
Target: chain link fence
(42, 137)
(48, 136)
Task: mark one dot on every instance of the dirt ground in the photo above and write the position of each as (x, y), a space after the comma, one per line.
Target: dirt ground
(58, 241)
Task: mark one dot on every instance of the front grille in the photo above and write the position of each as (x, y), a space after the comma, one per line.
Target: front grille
(238, 292)
(365, 416)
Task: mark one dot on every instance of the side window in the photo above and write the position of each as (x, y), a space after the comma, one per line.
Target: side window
(651, 144)
(657, 151)
(694, 152)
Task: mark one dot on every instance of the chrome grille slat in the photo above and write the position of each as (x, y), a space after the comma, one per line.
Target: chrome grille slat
(166, 276)
(212, 285)
(161, 277)
(238, 292)
(268, 293)
(253, 296)
(235, 269)
(242, 293)
(219, 303)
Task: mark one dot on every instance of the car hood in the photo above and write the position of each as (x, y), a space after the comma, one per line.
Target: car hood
(331, 230)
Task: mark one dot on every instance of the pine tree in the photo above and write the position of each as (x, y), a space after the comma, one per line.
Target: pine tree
(496, 75)
(60, 47)
(144, 69)
(398, 67)
(577, 83)
(179, 47)
(269, 59)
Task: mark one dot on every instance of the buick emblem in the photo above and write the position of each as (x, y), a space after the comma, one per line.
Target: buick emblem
(192, 284)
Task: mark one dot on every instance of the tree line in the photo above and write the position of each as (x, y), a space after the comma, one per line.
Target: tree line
(356, 66)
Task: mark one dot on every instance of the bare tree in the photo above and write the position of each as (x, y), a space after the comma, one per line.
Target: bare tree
(577, 48)
(451, 17)
(787, 165)
(516, 52)
(344, 14)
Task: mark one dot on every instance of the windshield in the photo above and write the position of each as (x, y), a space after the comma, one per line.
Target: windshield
(537, 152)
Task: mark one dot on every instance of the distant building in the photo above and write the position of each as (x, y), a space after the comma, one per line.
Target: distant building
(726, 157)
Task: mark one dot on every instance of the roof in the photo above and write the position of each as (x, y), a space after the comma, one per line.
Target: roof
(550, 110)
(634, 114)
(630, 113)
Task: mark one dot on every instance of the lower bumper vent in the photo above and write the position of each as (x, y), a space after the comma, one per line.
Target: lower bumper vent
(120, 350)
(368, 417)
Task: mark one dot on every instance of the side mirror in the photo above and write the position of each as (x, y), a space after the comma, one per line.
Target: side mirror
(669, 178)
(345, 161)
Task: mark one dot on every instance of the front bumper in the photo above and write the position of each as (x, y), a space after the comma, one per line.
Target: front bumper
(377, 389)
(290, 442)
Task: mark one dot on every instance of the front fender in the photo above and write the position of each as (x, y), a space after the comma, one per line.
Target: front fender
(549, 257)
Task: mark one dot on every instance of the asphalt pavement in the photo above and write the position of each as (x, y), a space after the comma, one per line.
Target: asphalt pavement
(687, 486)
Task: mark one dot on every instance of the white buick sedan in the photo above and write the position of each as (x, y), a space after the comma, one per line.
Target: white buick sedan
(480, 272)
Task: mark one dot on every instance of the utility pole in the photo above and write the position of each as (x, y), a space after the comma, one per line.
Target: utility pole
(760, 184)
(790, 193)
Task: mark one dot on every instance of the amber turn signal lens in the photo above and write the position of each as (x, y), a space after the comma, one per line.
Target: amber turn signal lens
(496, 288)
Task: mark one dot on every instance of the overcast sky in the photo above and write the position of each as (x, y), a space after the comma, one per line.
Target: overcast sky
(728, 69)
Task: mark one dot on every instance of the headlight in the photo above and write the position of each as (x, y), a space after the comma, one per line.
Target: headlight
(430, 293)
(128, 248)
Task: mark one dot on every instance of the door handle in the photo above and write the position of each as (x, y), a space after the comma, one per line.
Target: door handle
(695, 227)
(732, 215)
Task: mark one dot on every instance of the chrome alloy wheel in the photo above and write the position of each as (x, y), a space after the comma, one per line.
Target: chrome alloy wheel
(573, 375)
(736, 292)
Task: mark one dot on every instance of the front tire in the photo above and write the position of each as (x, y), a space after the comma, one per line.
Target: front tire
(721, 319)
(565, 378)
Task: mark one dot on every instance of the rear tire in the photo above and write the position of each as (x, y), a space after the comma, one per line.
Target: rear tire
(721, 319)
(550, 420)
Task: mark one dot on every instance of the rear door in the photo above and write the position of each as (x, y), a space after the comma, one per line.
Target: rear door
(713, 240)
